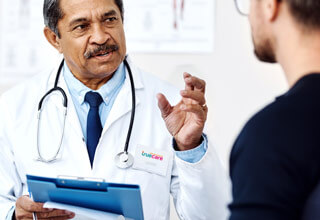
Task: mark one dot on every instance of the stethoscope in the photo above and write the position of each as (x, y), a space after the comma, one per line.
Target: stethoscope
(123, 159)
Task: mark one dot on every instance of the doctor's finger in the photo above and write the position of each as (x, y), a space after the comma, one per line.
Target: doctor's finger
(56, 218)
(196, 96)
(196, 83)
(56, 214)
(27, 204)
(164, 105)
(188, 86)
(198, 110)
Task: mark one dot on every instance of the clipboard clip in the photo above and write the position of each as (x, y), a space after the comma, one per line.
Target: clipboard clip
(84, 183)
(81, 178)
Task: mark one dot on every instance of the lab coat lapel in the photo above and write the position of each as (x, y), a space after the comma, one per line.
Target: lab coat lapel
(74, 134)
(73, 143)
(72, 116)
(72, 119)
(123, 102)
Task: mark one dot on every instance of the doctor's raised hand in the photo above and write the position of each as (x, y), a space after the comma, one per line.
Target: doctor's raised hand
(185, 121)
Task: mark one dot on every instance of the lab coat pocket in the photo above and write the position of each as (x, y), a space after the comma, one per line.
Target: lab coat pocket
(152, 170)
(152, 160)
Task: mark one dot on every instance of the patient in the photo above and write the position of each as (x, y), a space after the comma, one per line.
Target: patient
(275, 161)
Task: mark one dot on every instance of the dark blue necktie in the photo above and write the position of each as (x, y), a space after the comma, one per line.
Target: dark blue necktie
(94, 127)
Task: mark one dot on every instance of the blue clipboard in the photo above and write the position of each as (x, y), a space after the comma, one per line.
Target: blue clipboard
(122, 199)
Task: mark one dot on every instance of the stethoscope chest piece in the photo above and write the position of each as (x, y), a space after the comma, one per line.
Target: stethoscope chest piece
(124, 160)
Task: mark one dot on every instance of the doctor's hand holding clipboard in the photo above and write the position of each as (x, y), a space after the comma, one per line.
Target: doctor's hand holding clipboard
(25, 209)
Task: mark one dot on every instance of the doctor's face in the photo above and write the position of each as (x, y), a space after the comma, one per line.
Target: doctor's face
(92, 37)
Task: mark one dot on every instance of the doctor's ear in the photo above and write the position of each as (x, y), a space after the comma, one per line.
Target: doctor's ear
(53, 39)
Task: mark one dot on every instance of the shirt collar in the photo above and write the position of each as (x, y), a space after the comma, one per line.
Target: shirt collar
(78, 90)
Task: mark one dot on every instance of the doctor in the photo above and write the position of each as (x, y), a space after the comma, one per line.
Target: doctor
(90, 35)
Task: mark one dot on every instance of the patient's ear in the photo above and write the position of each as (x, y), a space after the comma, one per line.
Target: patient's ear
(271, 9)
(52, 38)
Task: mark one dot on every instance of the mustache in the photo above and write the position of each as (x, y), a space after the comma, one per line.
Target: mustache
(105, 48)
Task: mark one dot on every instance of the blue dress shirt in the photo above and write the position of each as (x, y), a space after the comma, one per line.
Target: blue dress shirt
(108, 92)
(194, 155)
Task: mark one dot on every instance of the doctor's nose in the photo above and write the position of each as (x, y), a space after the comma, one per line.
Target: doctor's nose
(99, 36)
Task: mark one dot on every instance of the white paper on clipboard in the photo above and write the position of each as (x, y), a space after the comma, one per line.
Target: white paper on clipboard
(84, 213)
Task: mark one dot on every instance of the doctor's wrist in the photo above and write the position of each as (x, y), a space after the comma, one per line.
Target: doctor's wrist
(181, 147)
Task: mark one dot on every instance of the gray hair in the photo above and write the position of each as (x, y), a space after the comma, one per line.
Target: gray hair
(52, 13)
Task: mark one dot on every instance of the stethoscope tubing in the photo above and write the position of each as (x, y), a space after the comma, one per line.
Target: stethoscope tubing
(65, 104)
(133, 95)
(56, 88)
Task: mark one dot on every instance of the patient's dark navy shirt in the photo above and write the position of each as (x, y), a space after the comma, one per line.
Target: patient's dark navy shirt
(275, 161)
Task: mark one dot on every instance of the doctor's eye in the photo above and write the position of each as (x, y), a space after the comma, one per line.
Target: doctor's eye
(110, 20)
(80, 27)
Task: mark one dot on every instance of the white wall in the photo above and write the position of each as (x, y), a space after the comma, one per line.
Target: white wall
(237, 84)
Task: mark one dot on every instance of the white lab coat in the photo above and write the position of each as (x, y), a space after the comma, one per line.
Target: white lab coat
(200, 190)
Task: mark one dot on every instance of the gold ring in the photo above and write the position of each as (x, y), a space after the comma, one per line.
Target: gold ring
(204, 105)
